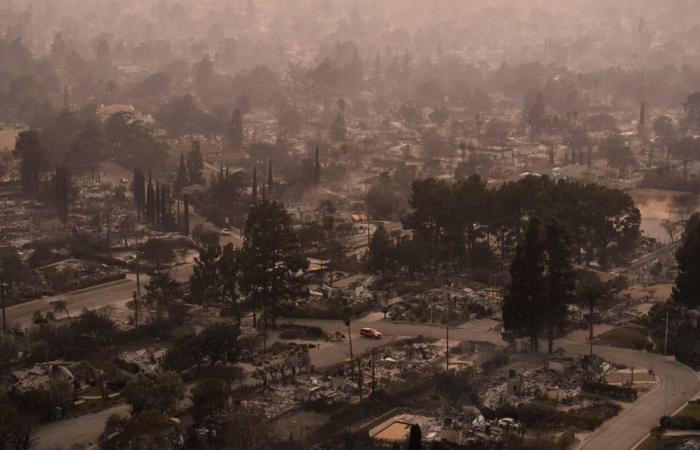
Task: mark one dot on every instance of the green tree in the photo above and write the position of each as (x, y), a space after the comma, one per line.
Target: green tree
(32, 156)
(381, 251)
(165, 295)
(181, 180)
(147, 430)
(15, 428)
(209, 398)
(692, 110)
(383, 200)
(206, 235)
(195, 164)
(61, 189)
(534, 113)
(687, 288)
(560, 279)
(525, 302)
(617, 152)
(157, 252)
(87, 150)
(159, 392)
(235, 131)
(270, 258)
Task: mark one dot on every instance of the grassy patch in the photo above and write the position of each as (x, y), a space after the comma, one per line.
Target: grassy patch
(692, 409)
(625, 337)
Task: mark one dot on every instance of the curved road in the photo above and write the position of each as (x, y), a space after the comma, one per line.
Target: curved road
(677, 384)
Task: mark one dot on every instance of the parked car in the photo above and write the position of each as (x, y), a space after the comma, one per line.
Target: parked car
(371, 333)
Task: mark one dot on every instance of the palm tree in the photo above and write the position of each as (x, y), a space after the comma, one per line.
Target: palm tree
(60, 306)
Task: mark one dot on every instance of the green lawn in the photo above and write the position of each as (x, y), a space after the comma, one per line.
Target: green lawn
(625, 337)
(692, 409)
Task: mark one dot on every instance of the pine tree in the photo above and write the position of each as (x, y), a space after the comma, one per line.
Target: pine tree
(524, 305)
(381, 251)
(560, 279)
(687, 288)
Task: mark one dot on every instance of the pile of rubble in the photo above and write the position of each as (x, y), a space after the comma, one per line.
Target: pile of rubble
(78, 374)
(561, 382)
(146, 359)
(434, 304)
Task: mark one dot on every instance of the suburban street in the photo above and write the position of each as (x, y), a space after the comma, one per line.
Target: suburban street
(677, 382)
(115, 293)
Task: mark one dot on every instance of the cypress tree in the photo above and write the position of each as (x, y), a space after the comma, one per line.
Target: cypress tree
(317, 167)
(270, 182)
(186, 216)
(255, 184)
(181, 178)
(150, 201)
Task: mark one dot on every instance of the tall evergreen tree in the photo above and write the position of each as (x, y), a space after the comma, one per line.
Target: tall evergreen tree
(255, 184)
(33, 159)
(157, 197)
(317, 167)
(271, 257)
(195, 164)
(186, 216)
(61, 185)
(687, 288)
(150, 202)
(236, 129)
(560, 278)
(525, 302)
(381, 251)
(270, 181)
(181, 179)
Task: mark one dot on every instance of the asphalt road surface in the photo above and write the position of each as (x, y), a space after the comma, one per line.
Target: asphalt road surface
(677, 383)
(115, 293)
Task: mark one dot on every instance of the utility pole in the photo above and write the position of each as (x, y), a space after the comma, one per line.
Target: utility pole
(666, 336)
(447, 334)
(590, 324)
(136, 310)
(2, 298)
(372, 368)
